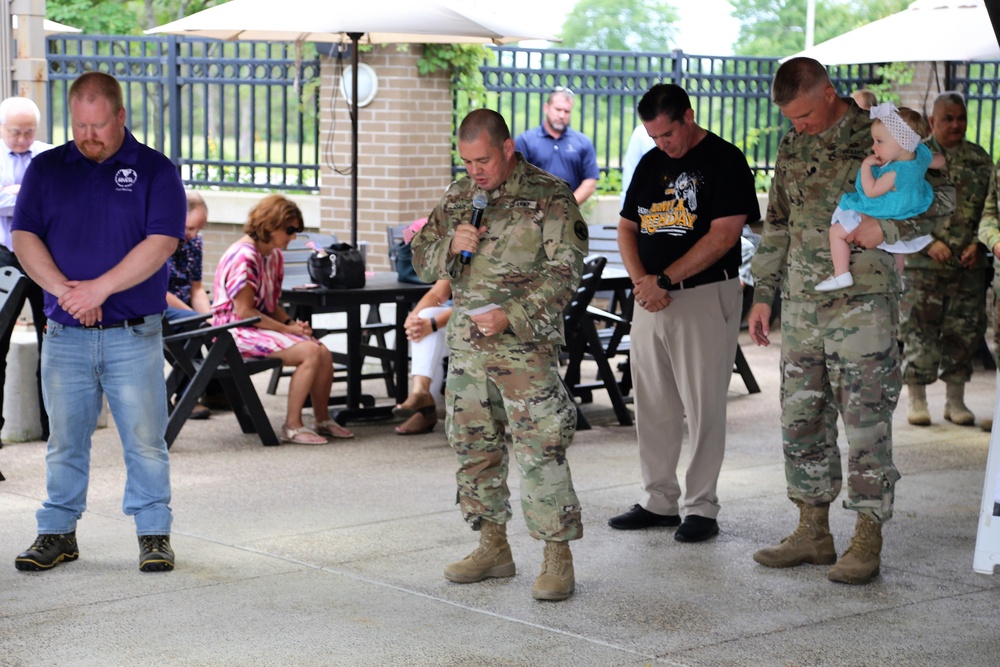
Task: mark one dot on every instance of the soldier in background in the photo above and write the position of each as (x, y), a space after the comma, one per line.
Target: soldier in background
(504, 334)
(838, 352)
(989, 235)
(943, 310)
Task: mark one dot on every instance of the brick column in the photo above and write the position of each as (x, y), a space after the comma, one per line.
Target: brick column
(404, 148)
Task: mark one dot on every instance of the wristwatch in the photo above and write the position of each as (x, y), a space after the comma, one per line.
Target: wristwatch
(663, 282)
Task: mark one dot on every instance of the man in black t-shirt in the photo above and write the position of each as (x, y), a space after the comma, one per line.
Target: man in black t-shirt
(679, 237)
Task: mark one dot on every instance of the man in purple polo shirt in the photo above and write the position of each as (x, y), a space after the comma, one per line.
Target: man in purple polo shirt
(94, 224)
(559, 149)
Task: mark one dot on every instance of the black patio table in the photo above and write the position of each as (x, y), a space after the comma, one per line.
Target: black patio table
(379, 288)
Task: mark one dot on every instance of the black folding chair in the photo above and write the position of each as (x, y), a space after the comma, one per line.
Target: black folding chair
(203, 354)
(582, 341)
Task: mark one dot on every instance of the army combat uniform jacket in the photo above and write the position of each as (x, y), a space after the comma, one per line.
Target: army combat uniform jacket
(969, 168)
(529, 262)
(811, 175)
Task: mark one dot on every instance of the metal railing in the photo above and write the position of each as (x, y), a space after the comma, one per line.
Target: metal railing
(730, 95)
(246, 114)
(229, 114)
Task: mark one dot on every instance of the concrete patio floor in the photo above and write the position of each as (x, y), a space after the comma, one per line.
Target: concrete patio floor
(333, 555)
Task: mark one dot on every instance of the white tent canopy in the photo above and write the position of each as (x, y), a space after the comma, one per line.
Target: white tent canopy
(928, 30)
(50, 27)
(380, 21)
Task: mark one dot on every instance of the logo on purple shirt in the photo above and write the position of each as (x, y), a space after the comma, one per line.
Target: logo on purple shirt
(125, 179)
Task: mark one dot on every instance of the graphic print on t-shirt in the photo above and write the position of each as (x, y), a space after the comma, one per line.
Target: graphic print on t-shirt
(676, 214)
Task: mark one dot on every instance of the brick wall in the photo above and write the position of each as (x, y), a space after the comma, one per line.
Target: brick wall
(404, 148)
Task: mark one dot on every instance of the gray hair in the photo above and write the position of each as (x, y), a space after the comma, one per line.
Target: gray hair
(13, 104)
(949, 97)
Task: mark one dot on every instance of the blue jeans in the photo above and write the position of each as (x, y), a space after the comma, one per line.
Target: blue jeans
(126, 364)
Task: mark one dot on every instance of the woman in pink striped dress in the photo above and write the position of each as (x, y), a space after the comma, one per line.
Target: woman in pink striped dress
(248, 284)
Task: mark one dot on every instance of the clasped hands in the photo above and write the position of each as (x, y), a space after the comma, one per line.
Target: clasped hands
(414, 327)
(941, 253)
(82, 300)
(648, 295)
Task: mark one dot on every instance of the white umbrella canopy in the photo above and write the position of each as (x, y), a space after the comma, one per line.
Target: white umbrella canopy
(50, 27)
(931, 30)
(375, 21)
(378, 21)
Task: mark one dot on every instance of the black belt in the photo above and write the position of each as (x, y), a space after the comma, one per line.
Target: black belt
(131, 322)
(705, 278)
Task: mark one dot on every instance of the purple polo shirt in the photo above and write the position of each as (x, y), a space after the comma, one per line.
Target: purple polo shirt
(91, 215)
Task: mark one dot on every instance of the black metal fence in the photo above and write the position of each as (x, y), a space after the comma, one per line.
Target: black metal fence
(229, 114)
(246, 114)
(730, 95)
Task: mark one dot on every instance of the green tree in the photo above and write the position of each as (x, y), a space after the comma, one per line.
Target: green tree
(620, 25)
(776, 28)
(101, 17)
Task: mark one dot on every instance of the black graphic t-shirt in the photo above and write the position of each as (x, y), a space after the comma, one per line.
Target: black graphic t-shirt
(674, 201)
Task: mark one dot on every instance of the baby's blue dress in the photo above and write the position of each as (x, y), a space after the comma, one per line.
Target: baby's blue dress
(912, 196)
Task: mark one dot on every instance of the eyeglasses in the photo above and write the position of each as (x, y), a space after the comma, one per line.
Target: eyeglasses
(294, 230)
(562, 90)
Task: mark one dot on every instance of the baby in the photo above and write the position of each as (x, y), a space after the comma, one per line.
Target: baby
(890, 185)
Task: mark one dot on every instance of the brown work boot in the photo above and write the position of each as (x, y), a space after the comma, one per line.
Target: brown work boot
(556, 582)
(860, 563)
(955, 410)
(917, 413)
(810, 543)
(492, 558)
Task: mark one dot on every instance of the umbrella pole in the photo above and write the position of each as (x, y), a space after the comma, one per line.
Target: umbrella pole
(355, 38)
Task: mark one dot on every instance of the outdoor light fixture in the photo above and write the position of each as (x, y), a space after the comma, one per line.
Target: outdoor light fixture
(367, 84)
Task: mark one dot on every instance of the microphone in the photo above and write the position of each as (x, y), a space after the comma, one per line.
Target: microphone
(479, 203)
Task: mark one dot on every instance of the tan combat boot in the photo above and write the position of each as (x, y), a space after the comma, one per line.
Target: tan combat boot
(860, 563)
(556, 582)
(954, 405)
(918, 414)
(492, 558)
(810, 543)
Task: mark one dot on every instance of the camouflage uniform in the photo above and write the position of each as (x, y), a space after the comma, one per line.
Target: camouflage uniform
(943, 306)
(529, 262)
(989, 235)
(835, 349)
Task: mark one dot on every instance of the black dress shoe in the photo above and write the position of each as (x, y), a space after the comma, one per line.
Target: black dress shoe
(696, 529)
(639, 517)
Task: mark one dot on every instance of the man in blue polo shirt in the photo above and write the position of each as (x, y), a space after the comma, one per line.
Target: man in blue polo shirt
(559, 149)
(94, 224)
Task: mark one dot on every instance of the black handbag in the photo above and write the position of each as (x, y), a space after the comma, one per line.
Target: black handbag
(404, 265)
(342, 267)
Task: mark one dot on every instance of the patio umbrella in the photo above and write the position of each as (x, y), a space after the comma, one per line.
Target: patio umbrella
(377, 21)
(928, 30)
(50, 27)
